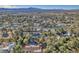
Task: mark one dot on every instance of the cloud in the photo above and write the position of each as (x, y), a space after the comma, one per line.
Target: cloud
(7, 6)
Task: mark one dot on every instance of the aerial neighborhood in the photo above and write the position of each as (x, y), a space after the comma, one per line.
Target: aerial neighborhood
(39, 32)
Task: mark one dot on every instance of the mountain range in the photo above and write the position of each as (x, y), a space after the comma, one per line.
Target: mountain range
(31, 9)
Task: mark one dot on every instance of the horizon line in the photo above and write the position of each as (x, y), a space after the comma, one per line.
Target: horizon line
(40, 8)
(65, 7)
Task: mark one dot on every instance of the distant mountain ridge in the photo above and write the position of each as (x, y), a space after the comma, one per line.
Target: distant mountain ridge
(31, 9)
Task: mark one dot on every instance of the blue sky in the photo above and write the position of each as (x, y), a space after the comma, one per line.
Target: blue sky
(43, 6)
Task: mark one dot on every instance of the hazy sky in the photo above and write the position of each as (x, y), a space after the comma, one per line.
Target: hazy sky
(42, 6)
